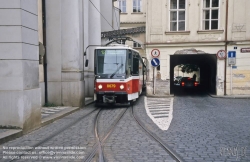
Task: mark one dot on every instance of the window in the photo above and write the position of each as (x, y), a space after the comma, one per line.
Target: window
(177, 15)
(135, 64)
(137, 5)
(136, 45)
(111, 61)
(122, 5)
(210, 13)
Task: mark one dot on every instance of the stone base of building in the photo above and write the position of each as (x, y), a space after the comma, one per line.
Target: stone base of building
(20, 109)
(69, 93)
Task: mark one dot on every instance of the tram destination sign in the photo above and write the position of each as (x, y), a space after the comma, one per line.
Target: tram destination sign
(245, 50)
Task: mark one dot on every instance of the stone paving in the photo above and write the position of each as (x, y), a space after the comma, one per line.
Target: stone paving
(130, 143)
(206, 129)
(77, 135)
(47, 111)
(202, 129)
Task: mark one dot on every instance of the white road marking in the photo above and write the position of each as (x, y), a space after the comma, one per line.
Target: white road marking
(46, 111)
(160, 110)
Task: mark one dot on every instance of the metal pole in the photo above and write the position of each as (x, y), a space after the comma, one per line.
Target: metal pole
(231, 80)
(45, 56)
(154, 80)
(225, 63)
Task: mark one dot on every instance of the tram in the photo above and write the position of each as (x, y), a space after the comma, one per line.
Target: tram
(120, 75)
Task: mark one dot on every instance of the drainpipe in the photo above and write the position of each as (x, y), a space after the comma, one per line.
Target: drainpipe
(45, 56)
(226, 42)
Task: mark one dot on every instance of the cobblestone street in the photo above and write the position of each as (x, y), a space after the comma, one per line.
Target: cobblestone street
(202, 129)
(207, 129)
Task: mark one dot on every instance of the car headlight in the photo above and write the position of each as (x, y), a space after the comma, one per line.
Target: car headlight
(100, 86)
(121, 86)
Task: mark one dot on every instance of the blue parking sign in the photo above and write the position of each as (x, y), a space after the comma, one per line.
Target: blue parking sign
(231, 54)
(155, 62)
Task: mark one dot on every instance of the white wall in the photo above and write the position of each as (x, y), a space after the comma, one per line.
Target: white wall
(20, 95)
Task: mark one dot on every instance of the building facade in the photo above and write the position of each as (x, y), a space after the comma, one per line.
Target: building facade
(206, 28)
(133, 15)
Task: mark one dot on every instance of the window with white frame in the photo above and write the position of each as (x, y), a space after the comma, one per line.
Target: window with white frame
(210, 16)
(122, 5)
(177, 15)
(137, 5)
(136, 45)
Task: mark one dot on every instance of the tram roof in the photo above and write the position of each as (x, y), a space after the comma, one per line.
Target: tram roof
(117, 47)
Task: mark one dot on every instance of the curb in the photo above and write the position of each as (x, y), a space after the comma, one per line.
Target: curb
(10, 134)
(160, 96)
(229, 97)
(13, 133)
(57, 116)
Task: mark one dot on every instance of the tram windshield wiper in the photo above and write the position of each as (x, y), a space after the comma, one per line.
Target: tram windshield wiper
(112, 75)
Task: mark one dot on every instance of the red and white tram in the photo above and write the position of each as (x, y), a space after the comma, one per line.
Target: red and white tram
(120, 75)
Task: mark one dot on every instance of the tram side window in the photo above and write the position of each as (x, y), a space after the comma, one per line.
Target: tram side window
(135, 65)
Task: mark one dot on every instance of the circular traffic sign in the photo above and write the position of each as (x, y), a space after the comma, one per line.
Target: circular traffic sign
(221, 54)
(155, 62)
(155, 53)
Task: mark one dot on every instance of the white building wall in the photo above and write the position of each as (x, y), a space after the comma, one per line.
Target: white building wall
(64, 52)
(20, 95)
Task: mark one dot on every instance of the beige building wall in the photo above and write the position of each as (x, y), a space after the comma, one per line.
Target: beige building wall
(158, 35)
(130, 19)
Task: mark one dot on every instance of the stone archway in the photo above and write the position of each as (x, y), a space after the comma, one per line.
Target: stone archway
(206, 61)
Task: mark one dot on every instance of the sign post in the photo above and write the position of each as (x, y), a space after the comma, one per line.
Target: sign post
(231, 57)
(231, 61)
(155, 53)
(154, 62)
(221, 54)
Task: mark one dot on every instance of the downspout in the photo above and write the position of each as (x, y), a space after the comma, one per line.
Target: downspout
(226, 42)
(45, 56)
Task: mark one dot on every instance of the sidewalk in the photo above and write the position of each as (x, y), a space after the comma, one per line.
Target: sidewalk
(49, 115)
(231, 96)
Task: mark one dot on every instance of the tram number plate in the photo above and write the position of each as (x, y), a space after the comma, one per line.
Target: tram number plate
(111, 85)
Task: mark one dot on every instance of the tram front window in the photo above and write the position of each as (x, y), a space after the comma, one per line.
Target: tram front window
(111, 62)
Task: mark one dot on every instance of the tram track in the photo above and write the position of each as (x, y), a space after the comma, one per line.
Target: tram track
(64, 128)
(172, 153)
(97, 148)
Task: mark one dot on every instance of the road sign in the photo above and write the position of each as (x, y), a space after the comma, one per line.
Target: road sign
(155, 62)
(221, 54)
(231, 57)
(155, 53)
(245, 50)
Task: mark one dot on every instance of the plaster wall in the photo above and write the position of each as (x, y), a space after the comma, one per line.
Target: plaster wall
(129, 16)
(20, 95)
(64, 38)
(94, 27)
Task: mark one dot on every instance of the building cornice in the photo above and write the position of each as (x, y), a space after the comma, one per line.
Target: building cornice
(133, 22)
(201, 43)
(177, 32)
(210, 31)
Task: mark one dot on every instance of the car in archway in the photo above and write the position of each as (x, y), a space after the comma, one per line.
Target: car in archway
(187, 82)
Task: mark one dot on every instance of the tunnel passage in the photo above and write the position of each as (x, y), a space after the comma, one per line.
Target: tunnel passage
(208, 67)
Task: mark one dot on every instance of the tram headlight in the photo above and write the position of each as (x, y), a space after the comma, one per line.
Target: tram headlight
(122, 86)
(100, 86)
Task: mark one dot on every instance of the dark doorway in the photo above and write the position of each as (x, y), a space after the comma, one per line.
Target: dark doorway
(207, 65)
